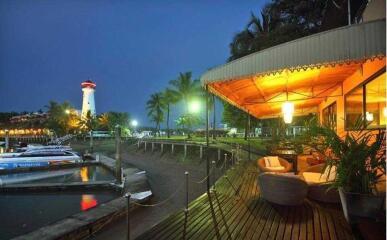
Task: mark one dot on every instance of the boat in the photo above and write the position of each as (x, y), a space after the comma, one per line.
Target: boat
(37, 158)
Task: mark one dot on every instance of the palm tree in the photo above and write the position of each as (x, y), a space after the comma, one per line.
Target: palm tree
(104, 121)
(169, 97)
(155, 106)
(184, 88)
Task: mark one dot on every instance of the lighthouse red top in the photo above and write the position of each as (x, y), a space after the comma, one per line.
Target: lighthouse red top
(88, 84)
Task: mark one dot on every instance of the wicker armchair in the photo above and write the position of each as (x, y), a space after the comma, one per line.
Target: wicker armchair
(282, 189)
(321, 191)
(262, 167)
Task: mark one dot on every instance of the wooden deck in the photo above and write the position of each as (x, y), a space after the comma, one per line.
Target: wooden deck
(237, 212)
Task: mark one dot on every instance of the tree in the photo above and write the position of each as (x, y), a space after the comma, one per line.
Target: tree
(280, 21)
(185, 89)
(169, 97)
(187, 121)
(59, 117)
(155, 107)
(108, 120)
(88, 123)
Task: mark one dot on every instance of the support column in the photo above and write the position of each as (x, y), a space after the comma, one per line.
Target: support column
(118, 152)
(207, 141)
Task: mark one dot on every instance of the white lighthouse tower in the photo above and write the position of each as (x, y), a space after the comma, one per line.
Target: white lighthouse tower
(88, 104)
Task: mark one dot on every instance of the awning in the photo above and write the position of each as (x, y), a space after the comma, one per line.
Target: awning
(305, 70)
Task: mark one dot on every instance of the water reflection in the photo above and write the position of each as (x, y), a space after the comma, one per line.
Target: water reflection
(83, 174)
(88, 201)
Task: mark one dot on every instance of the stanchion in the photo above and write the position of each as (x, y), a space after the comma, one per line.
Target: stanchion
(186, 191)
(214, 175)
(127, 196)
(225, 161)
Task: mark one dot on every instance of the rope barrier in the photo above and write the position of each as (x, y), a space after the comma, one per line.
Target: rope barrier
(204, 179)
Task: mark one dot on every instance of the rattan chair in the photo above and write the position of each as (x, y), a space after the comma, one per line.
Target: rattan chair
(262, 167)
(321, 191)
(282, 189)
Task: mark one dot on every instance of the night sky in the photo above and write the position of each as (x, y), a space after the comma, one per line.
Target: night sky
(131, 49)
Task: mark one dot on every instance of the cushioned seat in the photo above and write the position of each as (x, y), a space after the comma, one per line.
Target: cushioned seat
(283, 165)
(282, 189)
(319, 184)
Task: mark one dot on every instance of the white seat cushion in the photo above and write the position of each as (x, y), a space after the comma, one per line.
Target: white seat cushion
(267, 163)
(329, 173)
(274, 161)
(312, 177)
(276, 168)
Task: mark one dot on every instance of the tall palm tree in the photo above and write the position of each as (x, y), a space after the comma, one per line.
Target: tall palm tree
(155, 106)
(169, 97)
(184, 88)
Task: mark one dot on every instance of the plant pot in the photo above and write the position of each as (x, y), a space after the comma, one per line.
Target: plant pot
(360, 205)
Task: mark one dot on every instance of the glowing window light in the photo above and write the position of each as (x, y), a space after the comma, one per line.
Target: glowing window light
(369, 116)
(385, 111)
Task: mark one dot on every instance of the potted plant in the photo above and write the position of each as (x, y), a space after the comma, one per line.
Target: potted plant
(359, 158)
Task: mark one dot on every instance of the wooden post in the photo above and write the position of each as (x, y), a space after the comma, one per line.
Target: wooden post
(172, 148)
(201, 152)
(153, 146)
(91, 141)
(185, 150)
(218, 154)
(207, 140)
(145, 146)
(7, 140)
(127, 196)
(118, 152)
(162, 148)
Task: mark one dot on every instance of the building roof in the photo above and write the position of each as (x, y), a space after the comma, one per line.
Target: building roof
(305, 70)
(88, 83)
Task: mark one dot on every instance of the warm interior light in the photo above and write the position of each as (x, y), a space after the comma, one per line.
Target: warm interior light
(369, 116)
(288, 110)
(385, 111)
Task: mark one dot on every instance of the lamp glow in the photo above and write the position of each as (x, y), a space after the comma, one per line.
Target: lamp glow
(194, 107)
(369, 116)
(67, 111)
(288, 118)
(134, 123)
(385, 111)
(288, 110)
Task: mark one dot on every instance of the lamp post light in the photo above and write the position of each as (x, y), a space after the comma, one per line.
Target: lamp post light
(194, 106)
(67, 111)
(288, 110)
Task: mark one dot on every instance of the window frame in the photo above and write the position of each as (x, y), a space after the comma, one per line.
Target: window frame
(364, 103)
(326, 108)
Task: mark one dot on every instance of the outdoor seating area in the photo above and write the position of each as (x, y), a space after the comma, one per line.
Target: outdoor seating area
(238, 210)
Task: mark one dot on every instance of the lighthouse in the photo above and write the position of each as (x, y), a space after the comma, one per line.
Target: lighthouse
(88, 104)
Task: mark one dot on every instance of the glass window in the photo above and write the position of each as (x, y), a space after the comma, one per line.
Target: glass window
(329, 116)
(353, 107)
(367, 102)
(375, 107)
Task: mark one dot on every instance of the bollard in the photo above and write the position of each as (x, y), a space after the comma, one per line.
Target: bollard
(145, 146)
(127, 196)
(162, 148)
(185, 150)
(138, 145)
(218, 154)
(186, 191)
(6, 140)
(225, 161)
(201, 152)
(153, 146)
(172, 148)
(118, 152)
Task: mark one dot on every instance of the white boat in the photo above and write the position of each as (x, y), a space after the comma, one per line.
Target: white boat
(37, 158)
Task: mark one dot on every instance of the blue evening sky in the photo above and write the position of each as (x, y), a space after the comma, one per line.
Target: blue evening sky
(131, 49)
